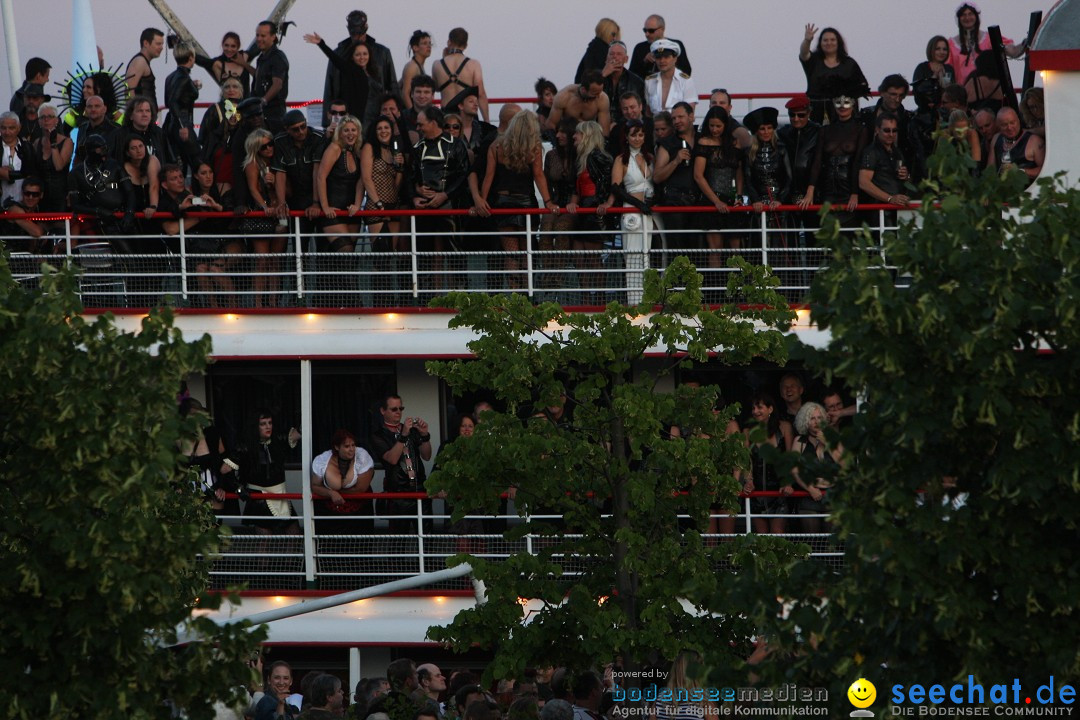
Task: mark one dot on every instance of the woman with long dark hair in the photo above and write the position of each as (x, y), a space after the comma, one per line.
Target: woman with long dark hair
(827, 64)
(763, 474)
(360, 86)
(144, 171)
(718, 172)
(971, 41)
(232, 63)
(631, 183)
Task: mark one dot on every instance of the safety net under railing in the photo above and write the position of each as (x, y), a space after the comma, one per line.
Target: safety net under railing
(223, 263)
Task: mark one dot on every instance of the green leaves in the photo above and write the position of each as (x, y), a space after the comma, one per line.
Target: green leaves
(959, 505)
(615, 572)
(102, 529)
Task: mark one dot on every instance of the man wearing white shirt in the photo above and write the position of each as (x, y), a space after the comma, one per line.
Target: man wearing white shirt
(669, 86)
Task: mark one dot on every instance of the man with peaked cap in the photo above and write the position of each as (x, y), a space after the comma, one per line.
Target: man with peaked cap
(668, 86)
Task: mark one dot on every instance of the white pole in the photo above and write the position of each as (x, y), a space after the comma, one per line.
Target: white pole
(14, 66)
(83, 37)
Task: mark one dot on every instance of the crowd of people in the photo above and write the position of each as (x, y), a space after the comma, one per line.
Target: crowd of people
(401, 446)
(624, 133)
(409, 691)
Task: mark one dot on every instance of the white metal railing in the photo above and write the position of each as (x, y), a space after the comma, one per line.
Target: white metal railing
(351, 551)
(575, 267)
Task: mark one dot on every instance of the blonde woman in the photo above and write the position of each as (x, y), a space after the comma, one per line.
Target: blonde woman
(607, 32)
(682, 681)
(339, 186)
(591, 190)
(262, 231)
(514, 164)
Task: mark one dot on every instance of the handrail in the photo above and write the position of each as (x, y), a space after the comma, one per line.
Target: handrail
(407, 212)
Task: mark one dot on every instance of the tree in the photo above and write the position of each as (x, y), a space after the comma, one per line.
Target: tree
(613, 575)
(959, 507)
(103, 532)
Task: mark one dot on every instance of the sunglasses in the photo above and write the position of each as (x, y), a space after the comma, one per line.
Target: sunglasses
(396, 409)
(31, 193)
(298, 128)
(451, 126)
(649, 31)
(265, 146)
(799, 115)
(338, 113)
(888, 131)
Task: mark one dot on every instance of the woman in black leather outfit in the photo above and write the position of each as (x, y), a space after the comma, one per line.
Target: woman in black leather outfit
(591, 189)
(834, 176)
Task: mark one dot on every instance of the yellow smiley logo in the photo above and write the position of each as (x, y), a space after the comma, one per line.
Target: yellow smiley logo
(862, 693)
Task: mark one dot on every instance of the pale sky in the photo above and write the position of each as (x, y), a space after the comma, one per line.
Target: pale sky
(744, 47)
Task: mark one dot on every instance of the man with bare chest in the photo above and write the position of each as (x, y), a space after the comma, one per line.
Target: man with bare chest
(455, 72)
(585, 101)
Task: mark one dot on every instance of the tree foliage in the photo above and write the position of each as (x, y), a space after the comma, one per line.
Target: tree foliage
(968, 357)
(615, 576)
(103, 531)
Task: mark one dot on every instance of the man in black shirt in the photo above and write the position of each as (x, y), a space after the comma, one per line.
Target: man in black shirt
(94, 122)
(674, 172)
(296, 151)
(402, 444)
(271, 76)
(882, 171)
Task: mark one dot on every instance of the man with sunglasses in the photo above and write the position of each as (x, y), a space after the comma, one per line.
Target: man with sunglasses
(403, 444)
(643, 62)
(296, 151)
(800, 137)
(23, 233)
(883, 171)
(894, 88)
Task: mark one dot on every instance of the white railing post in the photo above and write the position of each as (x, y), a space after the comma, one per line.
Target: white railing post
(420, 531)
(183, 262)
(67, 236)
(764, 238)
(528, 254)
(749, 520)
(305, 470)
(298, 239)
(413, 269)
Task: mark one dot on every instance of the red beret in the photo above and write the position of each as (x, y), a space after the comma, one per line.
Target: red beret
(799, 102)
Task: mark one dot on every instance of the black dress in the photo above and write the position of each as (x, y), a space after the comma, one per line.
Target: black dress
(835, 173)
(208, 467)
(341, 182)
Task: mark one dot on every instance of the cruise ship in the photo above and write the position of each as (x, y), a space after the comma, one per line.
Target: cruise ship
(343, 329)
